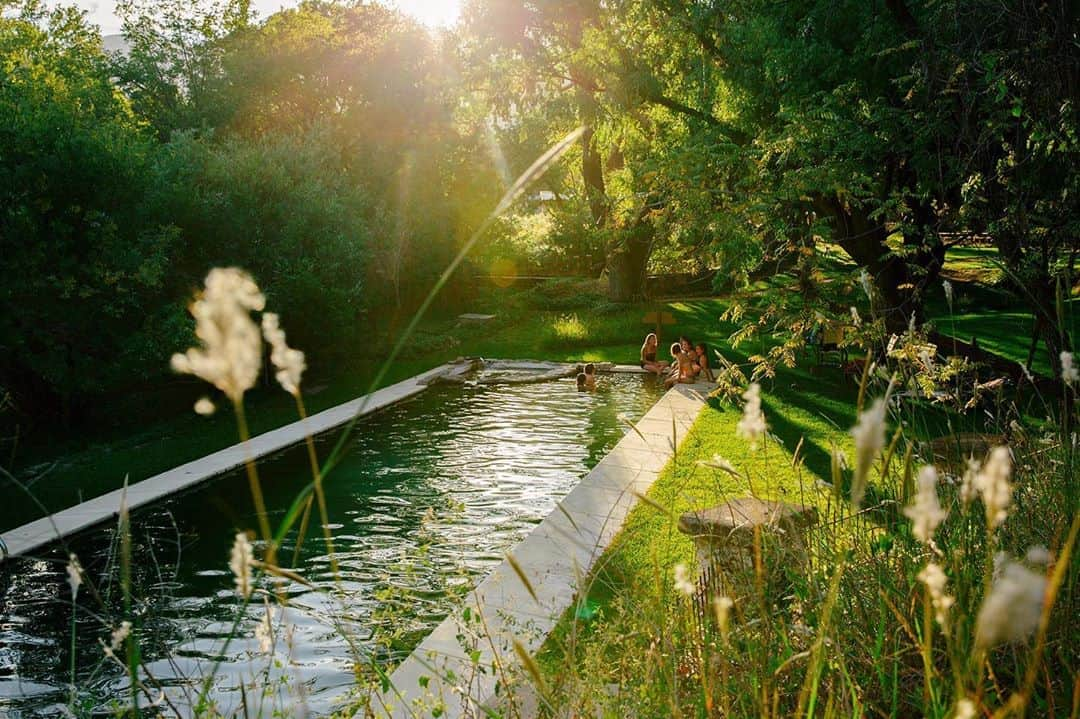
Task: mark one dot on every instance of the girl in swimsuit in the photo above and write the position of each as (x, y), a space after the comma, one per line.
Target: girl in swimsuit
(648, 355)
(702, 361)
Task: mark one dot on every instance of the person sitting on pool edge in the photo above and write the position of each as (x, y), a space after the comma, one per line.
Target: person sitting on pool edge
(590, 377)
(682, 369)
(673, 368)
(647, 359)
(702, 362)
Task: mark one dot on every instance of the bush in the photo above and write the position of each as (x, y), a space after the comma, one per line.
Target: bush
(571, 293)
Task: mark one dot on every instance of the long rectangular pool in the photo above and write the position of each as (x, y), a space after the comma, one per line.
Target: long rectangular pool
(431, 495)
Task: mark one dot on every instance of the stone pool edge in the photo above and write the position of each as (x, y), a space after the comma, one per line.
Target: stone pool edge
(476, 643)
(43, 532)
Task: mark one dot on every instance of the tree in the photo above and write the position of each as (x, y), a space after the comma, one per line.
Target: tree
(81, 266)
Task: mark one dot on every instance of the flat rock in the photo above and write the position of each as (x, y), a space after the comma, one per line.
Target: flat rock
(473, 317)
(456, 373)
(742, 515)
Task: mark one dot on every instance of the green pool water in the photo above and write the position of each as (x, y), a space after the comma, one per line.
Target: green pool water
(431, 495)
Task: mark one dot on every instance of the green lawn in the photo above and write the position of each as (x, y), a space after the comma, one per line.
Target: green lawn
(994, 320)
(972, 264)
(650, 542)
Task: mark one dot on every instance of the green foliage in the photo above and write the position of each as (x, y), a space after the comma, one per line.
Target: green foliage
(318, 150)
(287, 208)
(83, 267)
(745, 136)
(565, 294)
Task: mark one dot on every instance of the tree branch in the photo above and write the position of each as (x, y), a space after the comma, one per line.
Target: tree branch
(733, 134)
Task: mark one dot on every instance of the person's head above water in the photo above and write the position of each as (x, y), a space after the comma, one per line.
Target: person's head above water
(581, 380)
(590, 368)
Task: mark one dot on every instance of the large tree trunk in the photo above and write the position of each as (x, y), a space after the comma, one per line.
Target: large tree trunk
(895, 298)
(628, 260)
(929, 251)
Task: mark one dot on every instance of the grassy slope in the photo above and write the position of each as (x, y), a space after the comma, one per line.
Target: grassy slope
(996, 322)
(990, 315)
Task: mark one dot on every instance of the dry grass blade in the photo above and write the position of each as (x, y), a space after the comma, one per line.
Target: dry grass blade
(798, 448)
(655, 505)
(537, 169)
(629, 423)
(281, 572)
(521, 575)
(530, 666)
(568, 516)
(720, 463)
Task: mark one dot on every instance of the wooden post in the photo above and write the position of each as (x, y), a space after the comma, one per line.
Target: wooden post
(659, 319)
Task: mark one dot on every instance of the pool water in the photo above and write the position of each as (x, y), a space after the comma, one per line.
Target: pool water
(430, 496)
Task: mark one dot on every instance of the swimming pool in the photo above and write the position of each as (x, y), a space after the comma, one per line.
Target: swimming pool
(431, 495)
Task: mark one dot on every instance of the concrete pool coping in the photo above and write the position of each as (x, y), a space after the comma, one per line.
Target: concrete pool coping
(468, 664)
(36, 535)
(43, 532)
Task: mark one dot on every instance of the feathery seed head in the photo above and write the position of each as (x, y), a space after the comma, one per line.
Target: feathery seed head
(682, 580)
(1069, 371)
(231, 351)
(1011, 611)
(74, 575)
(240, 561)
(752, 426)
(965, 709)
(993, 485)
(925, 512)
(933, 576)
(264, 631)
(869, 434)
(288, 361)
(864, 280)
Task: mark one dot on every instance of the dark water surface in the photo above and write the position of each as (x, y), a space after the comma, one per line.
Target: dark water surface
(432, 493)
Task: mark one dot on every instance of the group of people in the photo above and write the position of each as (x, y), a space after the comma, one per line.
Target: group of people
(689, 364)
(689, 361)
(586, 380)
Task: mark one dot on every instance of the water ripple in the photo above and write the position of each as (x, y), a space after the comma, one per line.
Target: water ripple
(430, 496)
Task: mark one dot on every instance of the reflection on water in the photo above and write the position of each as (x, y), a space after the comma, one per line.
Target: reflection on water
(430, 496)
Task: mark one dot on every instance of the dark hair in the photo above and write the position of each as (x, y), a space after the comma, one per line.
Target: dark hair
(675, 347)
(701, 346)
(684, 338)
(581, 379)
(590, 368)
